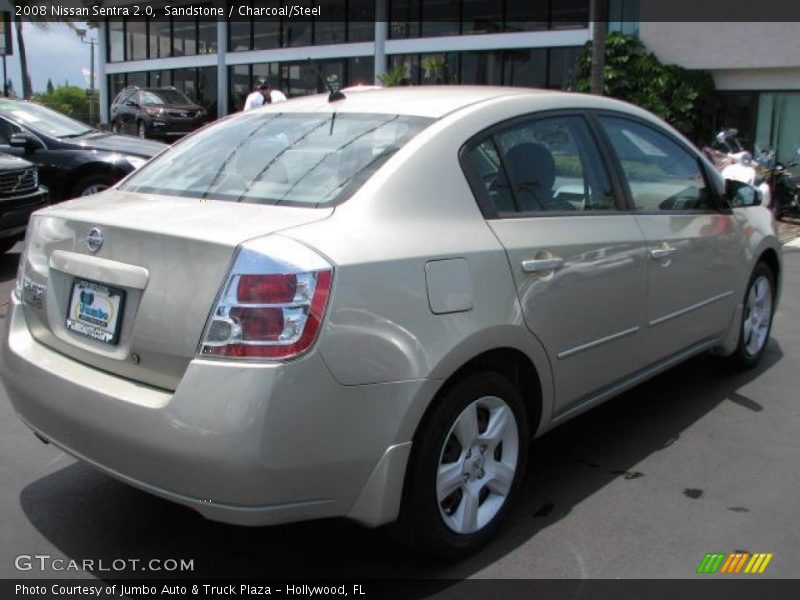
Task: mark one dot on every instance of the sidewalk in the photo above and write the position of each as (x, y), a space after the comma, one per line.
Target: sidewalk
(788, 229)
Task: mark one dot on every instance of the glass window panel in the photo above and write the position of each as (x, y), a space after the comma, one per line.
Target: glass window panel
(185, 80)
(482, 68)
(360, 70)
(136, 39)
(361, 21)
(527, 15)
(440, 17)
(267, 30)
(207, 90)
(404, 17)
(563, 66)
(440, 68)
(238, 36)
(569, 14)
(161, 78)
(116, 40)
(295, 31)
(160, 40)
(206, 36)
(116, 83)
(526, 68)
(184, 38)
(239, 86)
(139, 79)
(333, 30)
(410, 62)
(482, 16)
(298, 79)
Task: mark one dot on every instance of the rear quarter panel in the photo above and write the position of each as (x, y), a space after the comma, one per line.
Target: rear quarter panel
(418, 208)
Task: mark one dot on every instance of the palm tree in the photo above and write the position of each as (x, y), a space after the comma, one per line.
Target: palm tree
(599, 31)
(23, 59)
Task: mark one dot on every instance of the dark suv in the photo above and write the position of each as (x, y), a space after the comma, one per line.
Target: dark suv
(155, 112)
(20, 195)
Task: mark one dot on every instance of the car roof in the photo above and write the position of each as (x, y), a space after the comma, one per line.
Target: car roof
(432, 101)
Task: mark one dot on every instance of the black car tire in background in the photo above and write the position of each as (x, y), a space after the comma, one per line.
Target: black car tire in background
(94, 184)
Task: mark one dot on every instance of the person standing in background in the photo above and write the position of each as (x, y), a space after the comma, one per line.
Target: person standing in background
(259, 96)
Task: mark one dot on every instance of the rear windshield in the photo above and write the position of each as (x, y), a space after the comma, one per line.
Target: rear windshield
(292, 159)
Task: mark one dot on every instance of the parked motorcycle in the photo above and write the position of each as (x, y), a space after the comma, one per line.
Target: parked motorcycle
(784, 185)
(734, 162)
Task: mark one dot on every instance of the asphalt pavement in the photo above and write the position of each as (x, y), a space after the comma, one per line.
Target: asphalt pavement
(697, 460)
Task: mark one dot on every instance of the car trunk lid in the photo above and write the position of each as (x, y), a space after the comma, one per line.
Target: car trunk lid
(159, 266)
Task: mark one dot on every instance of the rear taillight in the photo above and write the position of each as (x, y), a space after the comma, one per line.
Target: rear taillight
(19, 283)
(272, 303)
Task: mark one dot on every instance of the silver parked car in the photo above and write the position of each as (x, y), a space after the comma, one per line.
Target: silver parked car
(368, 307)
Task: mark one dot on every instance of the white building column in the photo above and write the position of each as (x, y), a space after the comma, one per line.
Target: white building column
(102, 80)
(381, 34)
(222, 68)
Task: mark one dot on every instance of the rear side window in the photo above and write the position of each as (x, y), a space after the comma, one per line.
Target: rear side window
(548, 164)
(661, 174)
(294, 159)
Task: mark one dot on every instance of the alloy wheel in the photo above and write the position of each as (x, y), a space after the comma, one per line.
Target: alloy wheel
(477, 465)
(758, 313)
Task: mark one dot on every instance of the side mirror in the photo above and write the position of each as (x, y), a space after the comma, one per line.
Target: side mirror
(25, 141)
(741, 194)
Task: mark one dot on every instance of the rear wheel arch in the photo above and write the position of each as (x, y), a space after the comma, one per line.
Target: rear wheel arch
(511, 363)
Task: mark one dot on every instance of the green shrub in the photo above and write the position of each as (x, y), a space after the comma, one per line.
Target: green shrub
(682, 97)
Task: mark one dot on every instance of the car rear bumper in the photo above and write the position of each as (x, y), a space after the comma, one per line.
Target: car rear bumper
(247, 444)
(16, 211)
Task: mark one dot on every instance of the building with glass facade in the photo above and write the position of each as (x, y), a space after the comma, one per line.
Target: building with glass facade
(507, 42)
(756, 65)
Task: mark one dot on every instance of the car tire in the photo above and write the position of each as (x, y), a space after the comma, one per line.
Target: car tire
(141, 130)
(758, 311)
(93, 184)
(455, 497)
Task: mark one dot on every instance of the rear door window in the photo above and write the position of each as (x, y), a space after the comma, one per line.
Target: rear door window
(548, 164)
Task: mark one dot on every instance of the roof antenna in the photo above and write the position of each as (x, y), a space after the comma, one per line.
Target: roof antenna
(334, 95)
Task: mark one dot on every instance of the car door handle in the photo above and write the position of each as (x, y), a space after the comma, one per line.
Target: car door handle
(662, 252)
(542, 264)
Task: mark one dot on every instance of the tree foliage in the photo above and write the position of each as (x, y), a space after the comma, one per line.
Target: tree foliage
(682, 97)
(68, 99)
(393, 77)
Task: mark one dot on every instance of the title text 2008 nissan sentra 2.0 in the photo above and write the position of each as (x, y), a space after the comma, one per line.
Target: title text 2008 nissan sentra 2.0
(368, 307)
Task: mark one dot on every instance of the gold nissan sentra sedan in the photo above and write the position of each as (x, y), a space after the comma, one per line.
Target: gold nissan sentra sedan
(368, 307)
